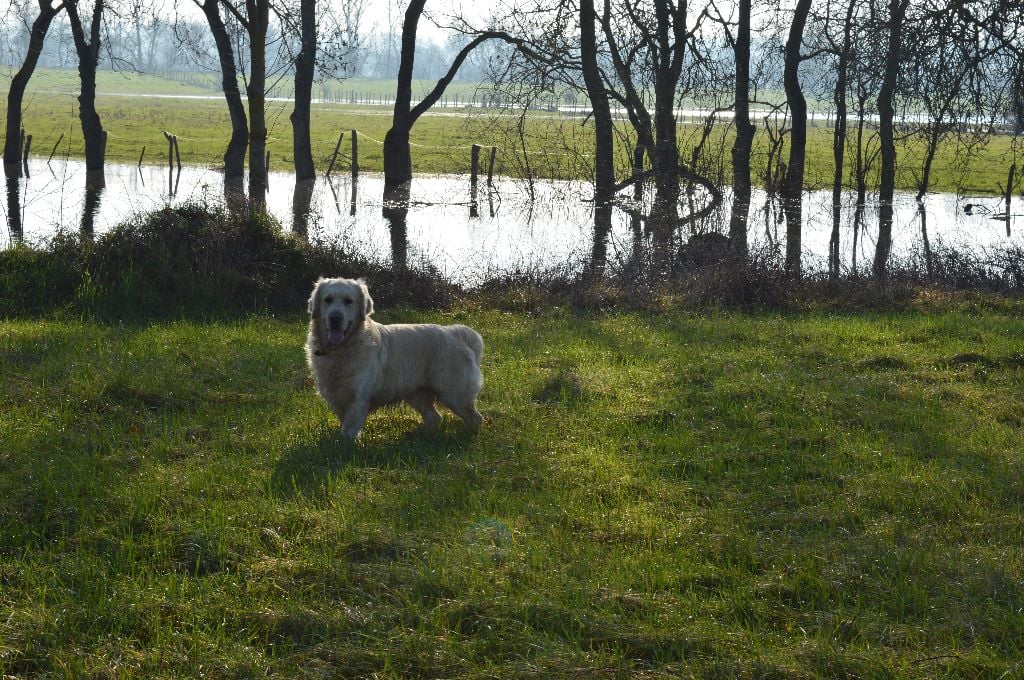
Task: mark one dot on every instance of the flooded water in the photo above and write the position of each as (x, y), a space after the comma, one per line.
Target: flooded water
(502, 231)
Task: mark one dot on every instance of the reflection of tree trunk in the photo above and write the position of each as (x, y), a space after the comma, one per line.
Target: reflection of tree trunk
(14, 225)
(794, 183)
(858, 222)
(396, 212)
(94, 186)
(887, 182)
(924, 237)
(302, 200)
(304, 65)
(234, 156)
(16, 94)
(604, 171)
(744, 137)
(88, 59)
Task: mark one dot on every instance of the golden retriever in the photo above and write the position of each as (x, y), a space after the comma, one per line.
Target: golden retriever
(360, 365)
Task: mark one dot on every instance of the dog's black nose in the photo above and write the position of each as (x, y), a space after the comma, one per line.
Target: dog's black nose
(334, 322)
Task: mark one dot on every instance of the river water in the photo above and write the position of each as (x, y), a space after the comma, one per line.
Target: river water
(503, 231)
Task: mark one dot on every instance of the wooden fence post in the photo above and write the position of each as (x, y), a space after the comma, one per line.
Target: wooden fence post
(355, 154)
(474, 164)
(142, 155)
(103, 146)
(474, 168)
(170, 150)
(334, 157)
(490, 166)
(177, 151)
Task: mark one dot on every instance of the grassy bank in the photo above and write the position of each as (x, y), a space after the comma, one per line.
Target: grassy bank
(556, 147)
(714, 496)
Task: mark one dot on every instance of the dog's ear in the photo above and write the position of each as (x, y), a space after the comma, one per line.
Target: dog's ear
(314, 298)
(367, 300)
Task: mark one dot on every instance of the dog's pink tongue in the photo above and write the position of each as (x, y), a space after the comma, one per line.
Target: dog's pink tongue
(335, 336)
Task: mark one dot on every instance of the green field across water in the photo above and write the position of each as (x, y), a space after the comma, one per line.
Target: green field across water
(137, 108)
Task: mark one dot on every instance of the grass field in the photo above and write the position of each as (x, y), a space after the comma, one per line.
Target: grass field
(555, 147)
(709, 496)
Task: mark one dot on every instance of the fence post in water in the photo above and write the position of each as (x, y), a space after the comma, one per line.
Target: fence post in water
(1008, 197)
(141, 156)
(334, 157)
(170, 150)
(474, 168)
(474, 164)
(355, 154)
(266, 185)
(59, 140)
(103, 146)
(177, 151)
(490, 167)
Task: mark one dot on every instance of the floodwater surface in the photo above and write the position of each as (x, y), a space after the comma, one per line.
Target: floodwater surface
(512, 226)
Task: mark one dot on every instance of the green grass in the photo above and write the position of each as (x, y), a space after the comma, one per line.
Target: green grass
(556, 147)
(707, 496)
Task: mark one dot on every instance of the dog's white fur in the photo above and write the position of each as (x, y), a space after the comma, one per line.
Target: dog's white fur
(360, 365)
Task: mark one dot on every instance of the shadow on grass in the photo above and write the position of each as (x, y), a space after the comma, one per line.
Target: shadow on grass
(307, 469)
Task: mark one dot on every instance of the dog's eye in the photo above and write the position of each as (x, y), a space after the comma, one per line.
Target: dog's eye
(328, 299)
(347, 301)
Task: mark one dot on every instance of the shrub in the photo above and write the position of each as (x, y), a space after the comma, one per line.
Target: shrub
(36, 280)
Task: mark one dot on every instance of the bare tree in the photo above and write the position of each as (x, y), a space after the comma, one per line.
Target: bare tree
(88, 49)
(16, 93)
(234, 155)
(792, 189)
(886, 113)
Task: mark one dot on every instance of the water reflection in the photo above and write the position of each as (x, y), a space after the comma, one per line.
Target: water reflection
(95, 183)
(396, 211)
(428, 224)
(14, 216)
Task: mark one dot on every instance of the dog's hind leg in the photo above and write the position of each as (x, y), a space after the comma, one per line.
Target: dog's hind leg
(465, 408)
(423, 402)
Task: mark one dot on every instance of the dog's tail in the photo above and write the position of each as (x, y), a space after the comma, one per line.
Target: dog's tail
(471, 338)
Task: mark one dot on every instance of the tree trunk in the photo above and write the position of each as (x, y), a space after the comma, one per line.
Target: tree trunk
(234, 155)
(604, 170)
(839, 141)
(16, 95)
(665, 159)
(305, 63)
(397, 155)
(744, 142)
(88, 60)
(886, 113)
(792, 191)
(259, 18)
(1018, 97)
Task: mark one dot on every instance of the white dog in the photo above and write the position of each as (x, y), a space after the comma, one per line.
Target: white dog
(360, 365)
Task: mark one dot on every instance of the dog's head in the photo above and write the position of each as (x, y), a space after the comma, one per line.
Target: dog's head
(337, 308)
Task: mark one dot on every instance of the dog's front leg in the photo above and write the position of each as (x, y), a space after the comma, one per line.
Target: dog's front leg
(355, 417)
